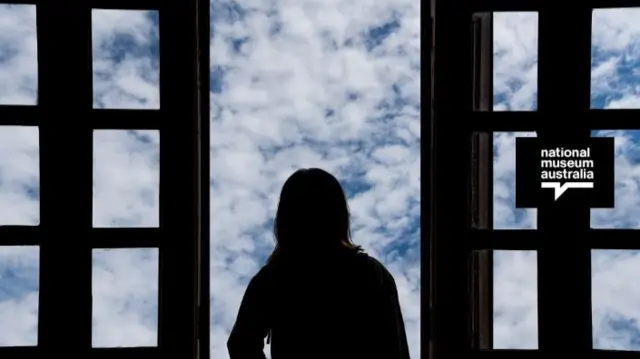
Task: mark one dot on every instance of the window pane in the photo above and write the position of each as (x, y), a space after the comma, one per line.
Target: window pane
(515, 300)
(125, 59)
(125, 297)
(18, 55)
(19, 288)
(615, 73)
(505, 213)
(616, 313)
(627, 180)
(19, 176)
(126, 177)
(515, 61)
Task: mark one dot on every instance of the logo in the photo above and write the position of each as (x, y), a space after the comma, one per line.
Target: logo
(548, 172)
(569, 165)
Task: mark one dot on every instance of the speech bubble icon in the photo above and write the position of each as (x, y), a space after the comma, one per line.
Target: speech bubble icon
(560, 188)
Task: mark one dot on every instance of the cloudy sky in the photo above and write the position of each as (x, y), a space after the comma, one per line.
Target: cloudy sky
(332, 84)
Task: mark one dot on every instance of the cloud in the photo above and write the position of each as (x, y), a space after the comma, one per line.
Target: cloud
(333, 84)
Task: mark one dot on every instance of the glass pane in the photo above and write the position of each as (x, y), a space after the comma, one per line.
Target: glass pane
(126, 178)
(515, 61)
(19, 289)
(19, 176)
(614, 47)
(627, 179)
(505, 213)
(615, 296)
(18, 55)
(126, 63)
(515, 300)
(125, 297)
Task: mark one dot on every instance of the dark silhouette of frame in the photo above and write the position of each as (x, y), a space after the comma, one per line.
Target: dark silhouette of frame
(66, 120)
(457, 149)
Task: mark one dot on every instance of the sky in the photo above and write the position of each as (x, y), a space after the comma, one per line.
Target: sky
(331, 84)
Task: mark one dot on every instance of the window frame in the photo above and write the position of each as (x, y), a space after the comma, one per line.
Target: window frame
(66, 146)
(461, 290)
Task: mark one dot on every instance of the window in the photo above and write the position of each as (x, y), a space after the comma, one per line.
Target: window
(64, 228)
(462, 239)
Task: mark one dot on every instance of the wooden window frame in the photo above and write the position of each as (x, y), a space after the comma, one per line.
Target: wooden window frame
(66, 121)
(459, 152)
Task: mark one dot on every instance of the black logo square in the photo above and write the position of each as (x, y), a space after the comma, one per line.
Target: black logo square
(550, 172)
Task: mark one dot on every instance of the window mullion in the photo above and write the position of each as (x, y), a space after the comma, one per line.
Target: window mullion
(65, 99)
(564, 279)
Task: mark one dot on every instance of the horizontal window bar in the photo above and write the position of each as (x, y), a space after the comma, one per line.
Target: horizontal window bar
(537, 5)
(126, 238)
(506, 354)
(126, 353)
(614, 239)
(20, 353)
(19, 115)
(535, 354)
(522, 121)
(101, 4)
(527, 239)
(93, 353)
(502, 239)
(125, 4)
(614, 119)
(114, 119)
(20, 236)
(525, 121)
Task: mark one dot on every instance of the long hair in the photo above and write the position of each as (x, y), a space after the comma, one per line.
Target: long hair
(313, 215)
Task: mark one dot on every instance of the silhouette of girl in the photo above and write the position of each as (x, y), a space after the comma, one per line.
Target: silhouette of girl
(319, 295)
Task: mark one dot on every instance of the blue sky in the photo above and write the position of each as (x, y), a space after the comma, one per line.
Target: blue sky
(332, 84)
